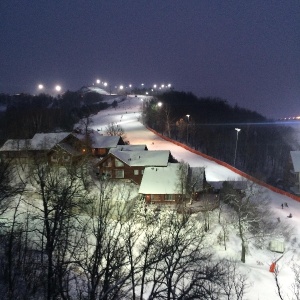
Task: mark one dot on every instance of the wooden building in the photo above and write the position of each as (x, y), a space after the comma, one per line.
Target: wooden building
(130, 165)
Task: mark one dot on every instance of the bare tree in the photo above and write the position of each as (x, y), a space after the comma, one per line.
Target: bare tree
(114, 129)
(252, 214)
(62, 196)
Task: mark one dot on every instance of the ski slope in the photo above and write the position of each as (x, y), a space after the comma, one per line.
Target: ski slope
(128, 115)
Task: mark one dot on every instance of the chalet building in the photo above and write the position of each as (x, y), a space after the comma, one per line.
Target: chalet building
(100, 144)
(61, 147)
(130, 165)
(166, 185)
(295, 156)
(69, 151)
(27, 149)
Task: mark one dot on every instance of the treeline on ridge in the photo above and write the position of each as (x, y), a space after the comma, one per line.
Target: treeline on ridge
(208, 125)
(23, 115)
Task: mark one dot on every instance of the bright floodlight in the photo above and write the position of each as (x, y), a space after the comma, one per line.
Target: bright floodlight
(40, 86)
(169, 85)
(130, 85)
(142, 84)
(162, 85)
(154, 86)
(98, 81)
(121, 87)
(58, 88)
(159, 104)
(105, 83)
(237, 129)
(146, 93)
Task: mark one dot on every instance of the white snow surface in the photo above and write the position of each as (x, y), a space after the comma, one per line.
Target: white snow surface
(161, 180)
(128, 115)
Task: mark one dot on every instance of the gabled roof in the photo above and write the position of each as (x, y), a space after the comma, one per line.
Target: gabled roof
(130, 148)
(68, 148)
(46, 141)
(296, 160)
(157, 158)
(161, 180)
(16, 145)
(100, 141)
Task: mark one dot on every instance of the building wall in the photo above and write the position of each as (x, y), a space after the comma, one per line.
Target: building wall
(115, 169)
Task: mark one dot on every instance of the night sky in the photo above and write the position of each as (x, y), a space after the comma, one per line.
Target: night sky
(247, 52)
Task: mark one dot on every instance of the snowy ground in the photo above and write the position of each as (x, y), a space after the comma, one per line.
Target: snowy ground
(128, 115)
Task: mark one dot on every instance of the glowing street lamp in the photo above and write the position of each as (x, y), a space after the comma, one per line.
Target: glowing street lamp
(121, 87)
(159, 104)
(169, 85)
(98, 81)
(105, 83)
(236, 143)
(58, 88)
(40, 87)
(154, 86)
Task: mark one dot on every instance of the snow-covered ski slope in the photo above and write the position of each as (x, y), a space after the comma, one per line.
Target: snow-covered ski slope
(128, 115)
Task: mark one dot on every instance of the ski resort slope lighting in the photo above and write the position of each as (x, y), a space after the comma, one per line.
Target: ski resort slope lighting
(236, 144)
(105, 83)
(98, 81)
(169, 85)
(58, 88)
(40, 87)
(154, 86)
(159, 104)
(121, 87)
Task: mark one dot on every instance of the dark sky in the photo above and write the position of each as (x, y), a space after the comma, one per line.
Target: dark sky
(244, 51)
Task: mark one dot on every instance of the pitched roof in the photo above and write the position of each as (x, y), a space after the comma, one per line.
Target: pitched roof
(161, 180)
(45, 141)
(143, 158)
(99, 141)
(130, 148)
(68, 148)
(16, 145)
(296, 160)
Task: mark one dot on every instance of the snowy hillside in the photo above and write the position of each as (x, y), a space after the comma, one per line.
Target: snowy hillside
(128, 115)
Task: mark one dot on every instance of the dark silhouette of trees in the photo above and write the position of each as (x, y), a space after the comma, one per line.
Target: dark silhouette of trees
(263, 146)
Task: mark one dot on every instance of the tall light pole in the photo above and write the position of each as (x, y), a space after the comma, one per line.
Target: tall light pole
(187, 128)
(236, 143)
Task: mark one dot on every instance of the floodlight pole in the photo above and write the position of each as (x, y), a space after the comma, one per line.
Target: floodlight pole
(187, 129)
(236, 143)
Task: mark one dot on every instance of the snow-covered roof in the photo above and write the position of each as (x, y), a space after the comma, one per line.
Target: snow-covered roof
(16, 145)
(296, 160)
(99, 141)
(46, 141)
(130, 148)
(143, 158)
(161, 180)
(68, 148)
